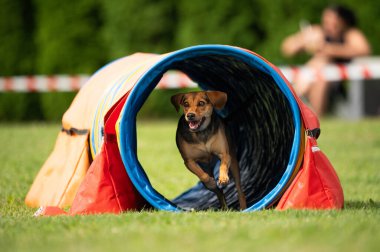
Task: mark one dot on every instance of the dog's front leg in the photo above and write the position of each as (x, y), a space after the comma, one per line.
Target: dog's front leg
(236, 175)
(208, 181)
(225, 162)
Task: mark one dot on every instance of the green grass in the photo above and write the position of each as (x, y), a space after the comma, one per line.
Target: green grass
(352, 147)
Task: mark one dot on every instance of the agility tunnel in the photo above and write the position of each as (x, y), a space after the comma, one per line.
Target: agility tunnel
(280, 162)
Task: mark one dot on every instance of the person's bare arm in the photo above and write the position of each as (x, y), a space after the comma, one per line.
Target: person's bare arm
(355, 45)
(309, 39)
(293, 44)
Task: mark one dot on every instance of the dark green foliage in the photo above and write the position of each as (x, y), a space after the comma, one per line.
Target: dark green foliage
(219, 22)
(13, 106)
(17, 54)
(80, 36)
(61, 103)
(68, 36)
(34, 106)
(139, 26)
(21, 106)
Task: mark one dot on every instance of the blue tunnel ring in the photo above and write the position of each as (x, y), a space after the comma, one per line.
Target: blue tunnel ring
(146, 84)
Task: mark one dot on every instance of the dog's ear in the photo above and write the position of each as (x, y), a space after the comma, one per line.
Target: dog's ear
(217, 98)
(177, 100)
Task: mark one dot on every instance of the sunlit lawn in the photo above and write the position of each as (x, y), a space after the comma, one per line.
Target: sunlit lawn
(352, 147)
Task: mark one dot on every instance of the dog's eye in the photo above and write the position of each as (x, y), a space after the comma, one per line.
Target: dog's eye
(201, 103)
(186, 104)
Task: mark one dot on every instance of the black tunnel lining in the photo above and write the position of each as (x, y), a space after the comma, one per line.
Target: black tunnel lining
(260, 119)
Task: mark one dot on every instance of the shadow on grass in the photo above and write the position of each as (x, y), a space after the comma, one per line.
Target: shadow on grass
(368, 204)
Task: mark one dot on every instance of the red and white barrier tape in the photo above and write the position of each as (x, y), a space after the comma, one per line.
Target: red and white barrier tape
(67, 83)
(42, 83)
(173, 79)
(353, 72)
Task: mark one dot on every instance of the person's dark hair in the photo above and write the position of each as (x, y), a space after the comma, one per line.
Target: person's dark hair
(346, 14)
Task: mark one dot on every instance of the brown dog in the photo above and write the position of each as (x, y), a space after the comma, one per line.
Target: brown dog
(201, 134)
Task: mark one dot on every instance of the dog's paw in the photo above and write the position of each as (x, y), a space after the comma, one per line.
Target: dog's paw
(223, 180)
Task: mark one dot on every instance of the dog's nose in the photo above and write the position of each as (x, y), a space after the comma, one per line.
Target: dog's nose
(190, 116)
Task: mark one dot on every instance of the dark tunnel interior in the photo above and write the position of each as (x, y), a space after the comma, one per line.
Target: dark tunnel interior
(260, 119)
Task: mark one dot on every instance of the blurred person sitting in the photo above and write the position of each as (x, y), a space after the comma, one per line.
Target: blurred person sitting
(336, 40)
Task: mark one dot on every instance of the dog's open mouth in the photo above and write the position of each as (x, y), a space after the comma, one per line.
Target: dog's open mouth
(194, 125)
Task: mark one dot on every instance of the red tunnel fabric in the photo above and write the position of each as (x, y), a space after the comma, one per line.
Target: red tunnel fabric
(106, 187)
(316, 185)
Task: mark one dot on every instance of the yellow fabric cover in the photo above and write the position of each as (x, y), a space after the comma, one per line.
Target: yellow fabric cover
(60, 176)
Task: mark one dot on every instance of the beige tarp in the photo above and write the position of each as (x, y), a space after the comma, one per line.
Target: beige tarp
(60, 176)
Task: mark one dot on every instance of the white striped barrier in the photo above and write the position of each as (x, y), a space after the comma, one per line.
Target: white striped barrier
(174, 79)
(331, 72)
(42, 83)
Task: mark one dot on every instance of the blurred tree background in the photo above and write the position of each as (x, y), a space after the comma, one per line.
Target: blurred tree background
(80, 36)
